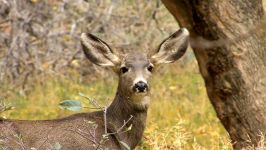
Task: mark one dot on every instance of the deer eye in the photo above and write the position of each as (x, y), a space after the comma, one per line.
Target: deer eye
(124, 69)
(150, 68)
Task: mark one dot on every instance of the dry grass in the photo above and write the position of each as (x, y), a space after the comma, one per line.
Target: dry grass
(180, 116)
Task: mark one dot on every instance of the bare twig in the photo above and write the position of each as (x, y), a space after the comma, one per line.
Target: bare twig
(119, 130)
(92, 101)
(16, 138)
(80, 132)
(105, 119)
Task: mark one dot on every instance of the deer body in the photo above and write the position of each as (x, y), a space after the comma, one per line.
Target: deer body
(86, 130)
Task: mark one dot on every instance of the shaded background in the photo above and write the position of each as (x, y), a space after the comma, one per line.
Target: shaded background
(40, 37)
(41, 64)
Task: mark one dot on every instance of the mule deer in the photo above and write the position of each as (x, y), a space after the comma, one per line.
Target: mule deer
(86, 130)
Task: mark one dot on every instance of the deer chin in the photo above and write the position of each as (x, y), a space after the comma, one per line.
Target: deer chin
(142, 100)
(144, 93)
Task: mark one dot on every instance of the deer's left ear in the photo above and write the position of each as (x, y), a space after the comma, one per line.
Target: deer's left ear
(97, 51)
(172, 48)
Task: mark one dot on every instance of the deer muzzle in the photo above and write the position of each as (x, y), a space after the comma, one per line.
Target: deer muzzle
(140, 87)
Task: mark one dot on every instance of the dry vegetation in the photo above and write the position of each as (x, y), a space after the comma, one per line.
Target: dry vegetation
(41, 64)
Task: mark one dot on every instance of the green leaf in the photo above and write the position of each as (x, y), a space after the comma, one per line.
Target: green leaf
(57, 146)
(73, 105)
(129, 128)
(125, 145)
(81, 94)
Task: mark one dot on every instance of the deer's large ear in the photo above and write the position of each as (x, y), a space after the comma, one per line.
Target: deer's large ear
(97, 51)
(172, 48)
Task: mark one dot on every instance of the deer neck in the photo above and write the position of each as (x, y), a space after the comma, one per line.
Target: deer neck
(122, 109)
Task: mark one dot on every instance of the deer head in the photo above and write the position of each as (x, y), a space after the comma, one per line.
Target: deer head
(135, 69)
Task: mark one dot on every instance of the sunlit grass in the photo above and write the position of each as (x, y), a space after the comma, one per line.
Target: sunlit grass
(180, 116)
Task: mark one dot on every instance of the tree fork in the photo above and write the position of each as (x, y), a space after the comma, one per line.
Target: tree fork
(228, 39)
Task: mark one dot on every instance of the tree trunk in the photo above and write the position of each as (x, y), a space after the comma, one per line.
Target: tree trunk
(229, 42)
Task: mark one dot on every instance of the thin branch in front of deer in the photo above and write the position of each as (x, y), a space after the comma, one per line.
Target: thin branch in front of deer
(47, 138)
(3, 142)
(17, 142)
(16, 138)
(94, 126)
(90, 134)
(4, 106)
(121, 128)
(90, 107)
(105, 136)
(80, 132)
(92, 101)
(105, 119)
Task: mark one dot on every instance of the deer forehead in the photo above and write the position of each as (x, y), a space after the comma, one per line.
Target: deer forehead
(136, 60)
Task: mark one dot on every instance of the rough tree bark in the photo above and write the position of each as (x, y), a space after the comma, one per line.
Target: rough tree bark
(228, 39)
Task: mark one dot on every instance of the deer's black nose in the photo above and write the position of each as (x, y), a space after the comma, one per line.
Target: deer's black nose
(140, 87)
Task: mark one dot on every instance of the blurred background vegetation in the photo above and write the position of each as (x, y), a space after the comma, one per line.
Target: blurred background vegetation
(41, 64)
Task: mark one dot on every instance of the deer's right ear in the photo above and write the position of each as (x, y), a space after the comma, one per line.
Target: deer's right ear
(172, 48)
(97, 51)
